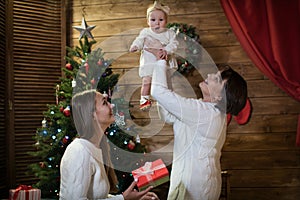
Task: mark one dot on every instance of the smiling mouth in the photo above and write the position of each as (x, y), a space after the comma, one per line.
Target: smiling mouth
(157, 28)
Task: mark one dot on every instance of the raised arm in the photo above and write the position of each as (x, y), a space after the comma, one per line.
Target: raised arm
(184, 109)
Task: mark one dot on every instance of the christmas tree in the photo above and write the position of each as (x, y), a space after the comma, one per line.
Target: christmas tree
(85, 69)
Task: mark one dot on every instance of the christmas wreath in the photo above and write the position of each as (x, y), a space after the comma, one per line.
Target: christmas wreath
(186, 33)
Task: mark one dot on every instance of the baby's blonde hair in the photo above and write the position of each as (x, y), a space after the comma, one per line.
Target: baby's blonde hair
(158, 6)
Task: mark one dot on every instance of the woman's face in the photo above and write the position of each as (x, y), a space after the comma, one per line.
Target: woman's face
(104, 112)
(157, 21)
(212, 86)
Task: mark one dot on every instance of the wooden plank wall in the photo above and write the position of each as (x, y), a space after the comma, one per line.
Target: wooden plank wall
(261, 156)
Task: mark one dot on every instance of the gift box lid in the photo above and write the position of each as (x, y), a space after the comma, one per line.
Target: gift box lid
(150, 172)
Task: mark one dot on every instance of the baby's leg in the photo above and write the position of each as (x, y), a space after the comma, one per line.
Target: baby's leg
(146, 85)
(145, 102)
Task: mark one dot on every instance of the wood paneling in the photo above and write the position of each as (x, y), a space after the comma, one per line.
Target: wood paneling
(260, 156)
(3, 150)
(35, 44)
(282, 193)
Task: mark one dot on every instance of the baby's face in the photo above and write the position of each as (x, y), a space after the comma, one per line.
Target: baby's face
(157, 21)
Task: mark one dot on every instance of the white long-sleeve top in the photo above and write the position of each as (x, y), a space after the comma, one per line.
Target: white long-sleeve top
(167, 39)
(83, 174)
(199, 134)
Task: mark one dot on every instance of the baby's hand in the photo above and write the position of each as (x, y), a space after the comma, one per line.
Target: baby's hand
(133, 49)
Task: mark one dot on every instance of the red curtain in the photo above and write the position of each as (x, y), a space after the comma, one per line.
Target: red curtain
(269, 32)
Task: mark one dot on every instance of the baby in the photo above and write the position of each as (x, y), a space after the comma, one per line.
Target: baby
(155, 36)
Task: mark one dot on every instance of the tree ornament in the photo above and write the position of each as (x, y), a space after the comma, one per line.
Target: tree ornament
(69, 66)
(65, 140)
(61, 95)
(138, 139)
(131, 145)
(73, 83)
(56, 94)
(99, 62)
(44, 123)
(67, 111)
(84, 29)
(37, 144)
(120, 118)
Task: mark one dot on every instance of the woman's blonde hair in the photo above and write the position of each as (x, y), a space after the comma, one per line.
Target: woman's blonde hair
(83, 107)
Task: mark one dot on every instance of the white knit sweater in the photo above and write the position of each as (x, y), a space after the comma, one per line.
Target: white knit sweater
(82, 173)
(199, 134)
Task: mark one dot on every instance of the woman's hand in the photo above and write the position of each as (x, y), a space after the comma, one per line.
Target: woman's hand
(154, 46)
(133, 194)
(150, 42)
(160, 54)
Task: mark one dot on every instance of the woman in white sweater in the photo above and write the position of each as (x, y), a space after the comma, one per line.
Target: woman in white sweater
(83, 174)
(199, 130)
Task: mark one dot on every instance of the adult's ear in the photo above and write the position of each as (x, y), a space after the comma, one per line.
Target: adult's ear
(94, 115)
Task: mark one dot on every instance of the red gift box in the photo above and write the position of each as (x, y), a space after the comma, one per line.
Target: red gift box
(152, 173)
(24, 192)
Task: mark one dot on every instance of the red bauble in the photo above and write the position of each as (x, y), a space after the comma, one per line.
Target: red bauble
(65, 140)
(61, 109)
(69, 66)
(67, 111)
(99, 62)
(131, 145)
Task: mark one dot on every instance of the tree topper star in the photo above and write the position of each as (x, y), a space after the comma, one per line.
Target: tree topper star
(84, 29)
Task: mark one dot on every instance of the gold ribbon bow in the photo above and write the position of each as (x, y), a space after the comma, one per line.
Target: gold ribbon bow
(158, 6)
